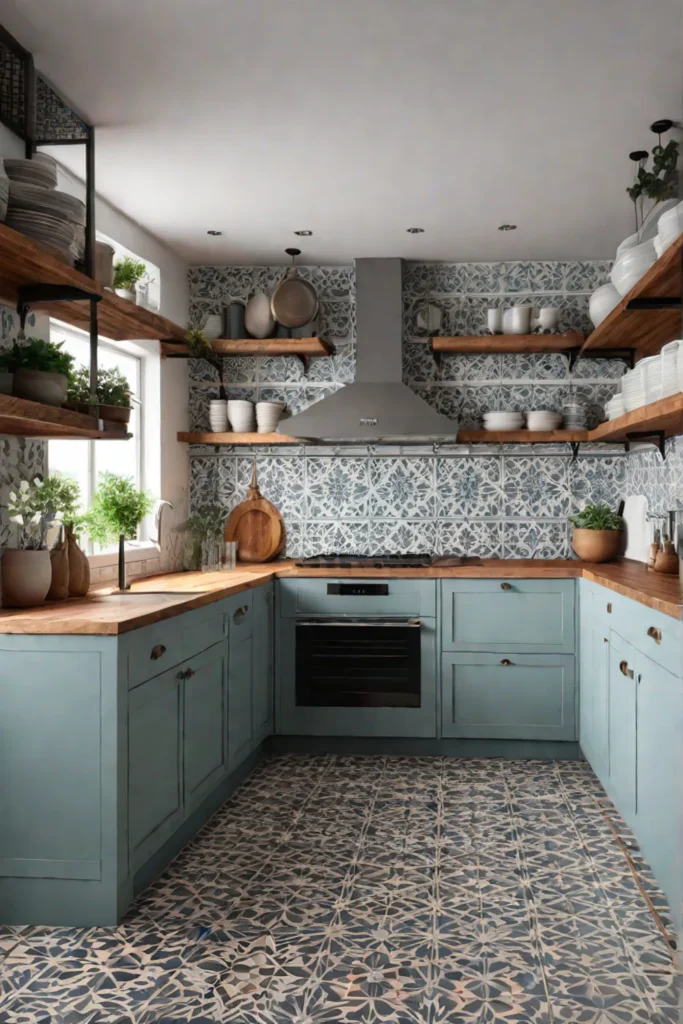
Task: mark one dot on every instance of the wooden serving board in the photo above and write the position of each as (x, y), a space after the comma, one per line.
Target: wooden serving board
(257, 526)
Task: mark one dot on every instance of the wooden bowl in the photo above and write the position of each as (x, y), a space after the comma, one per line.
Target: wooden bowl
(596, 545)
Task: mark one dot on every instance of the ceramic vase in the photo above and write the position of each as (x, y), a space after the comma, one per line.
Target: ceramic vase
(59, 560)
(26, 578)
(79, 566)
(258, 318)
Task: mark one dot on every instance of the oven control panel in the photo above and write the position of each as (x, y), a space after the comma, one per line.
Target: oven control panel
(358, 589)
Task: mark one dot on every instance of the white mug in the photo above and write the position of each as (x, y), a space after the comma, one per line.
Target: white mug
(494, 320)
(517, 320)
(547, 318)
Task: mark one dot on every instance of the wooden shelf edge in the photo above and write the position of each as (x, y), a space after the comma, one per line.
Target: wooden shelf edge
(22, 418)
(310, 347)
(508, 343)
(520, 436)
(666, 415)
(190, 437)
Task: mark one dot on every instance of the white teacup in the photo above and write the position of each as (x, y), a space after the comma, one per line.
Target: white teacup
(494, 320)
(546, 318)
(517, 320)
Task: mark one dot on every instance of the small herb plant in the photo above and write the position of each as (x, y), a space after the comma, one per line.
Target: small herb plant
(197, 342)
(36, 354)
(113, 388)
(36, 505)
(117, 509)
(127, 273)
(597, 517)
(78, 390)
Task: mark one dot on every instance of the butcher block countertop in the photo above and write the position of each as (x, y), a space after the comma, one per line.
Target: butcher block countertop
(108, 613)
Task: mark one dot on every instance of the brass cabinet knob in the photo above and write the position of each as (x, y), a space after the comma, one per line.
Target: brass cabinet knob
(505, 586)
(506, 661)
(625, 670)
(609, 607)
(655, 633)
(157, 652)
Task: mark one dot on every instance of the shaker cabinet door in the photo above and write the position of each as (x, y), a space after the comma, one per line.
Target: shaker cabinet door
(205, 721)
(622, 726)
(262, 694)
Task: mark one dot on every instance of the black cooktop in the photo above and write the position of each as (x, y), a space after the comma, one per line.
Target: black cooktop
(347, 560)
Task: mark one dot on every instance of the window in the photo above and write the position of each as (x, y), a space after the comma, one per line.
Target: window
(83, 461)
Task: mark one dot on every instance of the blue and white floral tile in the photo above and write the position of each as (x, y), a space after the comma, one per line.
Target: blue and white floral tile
(536, 487)
(450, 278)
(486, 278)
(225, 468)
(203, 483)
(244, 392)
(551, 366)
(477, 537)
(339, 535)
(281, 480)
(516, 277)
(471, 487)
(394, 537)
(271, 369)
(595, 480)
(337, 488)
(198, 404)
(220, 282)
(402, 488)
(599, 369)
(480, 367)
(517, 366)
(417, 279)
(331, 282)
(200, 371)
(337, 319)
(586, 276)
(419, 365)
(574, 314)
(546, 276)
(535, 539)
(521, 397)
(475, 401)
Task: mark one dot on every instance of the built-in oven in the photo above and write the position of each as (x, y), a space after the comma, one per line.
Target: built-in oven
(356, 657)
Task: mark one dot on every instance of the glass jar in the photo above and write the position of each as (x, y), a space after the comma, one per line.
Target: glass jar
(228, 555)
(210, 555)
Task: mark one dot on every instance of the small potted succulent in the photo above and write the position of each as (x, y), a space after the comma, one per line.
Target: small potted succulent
(27, 569)
(117, 510)
(597, 533)
(127, 273)
(41, 370)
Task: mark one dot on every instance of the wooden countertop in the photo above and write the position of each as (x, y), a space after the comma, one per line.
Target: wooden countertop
(108, 613)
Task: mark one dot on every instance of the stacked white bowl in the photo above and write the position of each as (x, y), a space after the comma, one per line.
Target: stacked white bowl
(543, 419)
(574, 415)
(670, 356)
(602, 302)
(218, 415)
(631, 265)
(241, 415)
(268, 415)
(670, 227)
(497, 420)
(633, 389)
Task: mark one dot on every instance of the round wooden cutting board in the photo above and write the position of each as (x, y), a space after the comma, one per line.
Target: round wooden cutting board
(257, 526)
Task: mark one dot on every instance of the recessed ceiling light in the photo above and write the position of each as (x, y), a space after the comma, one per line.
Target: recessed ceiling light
(214, 232)
(304, 233)
(507, 227)
(415, 231)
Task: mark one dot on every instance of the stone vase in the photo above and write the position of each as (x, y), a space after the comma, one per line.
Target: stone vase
(26, 578)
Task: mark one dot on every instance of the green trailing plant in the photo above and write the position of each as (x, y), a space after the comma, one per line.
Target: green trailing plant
(36, 354)
(658, 183)
(117, 509)
(113, 388)
(127, 273)
(200, 348)
(597, 517)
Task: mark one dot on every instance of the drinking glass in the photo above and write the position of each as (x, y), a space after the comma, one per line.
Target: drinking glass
(227, 555)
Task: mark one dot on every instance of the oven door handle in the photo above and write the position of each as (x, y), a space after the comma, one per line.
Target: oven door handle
(383, 623)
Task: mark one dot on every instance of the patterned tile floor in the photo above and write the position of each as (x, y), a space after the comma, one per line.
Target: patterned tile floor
(379, 890)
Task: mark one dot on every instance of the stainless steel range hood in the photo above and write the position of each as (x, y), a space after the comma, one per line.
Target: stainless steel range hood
(378, 406)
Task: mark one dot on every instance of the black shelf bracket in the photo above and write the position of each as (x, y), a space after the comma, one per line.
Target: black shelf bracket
(29, 294)
(436, 356)
(648, 304)
(575, 447)
(658, 437)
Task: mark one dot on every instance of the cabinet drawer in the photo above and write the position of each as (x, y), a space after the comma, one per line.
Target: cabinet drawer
(530, 698)
(508, 615)
(155, 649)
(336, 597)
(654, 634)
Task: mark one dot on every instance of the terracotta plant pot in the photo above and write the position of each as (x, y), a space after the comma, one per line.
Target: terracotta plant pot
(26, 578)
(115, 413)
(596, 545)
(79, 566)
(39, 386)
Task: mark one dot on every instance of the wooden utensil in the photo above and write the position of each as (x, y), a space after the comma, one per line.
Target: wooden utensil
(257, 526)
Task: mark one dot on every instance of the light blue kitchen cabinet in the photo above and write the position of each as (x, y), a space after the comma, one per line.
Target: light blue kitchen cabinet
(521, 697)
(205, 724)
(511, 616)
(262, 702)
(659, 770)
(622, 727)
(155, 758)
(594, 688)
(240, 619)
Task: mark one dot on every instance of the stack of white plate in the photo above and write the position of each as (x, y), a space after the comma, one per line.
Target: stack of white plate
(543, 419)
(615, 407)
(631, 265)
(41, 170)
(669, 356)
(496, 420)
(268, 415)
(218, 415)
(651, 376)
(241, 415)
(669, 227)
(633, 390)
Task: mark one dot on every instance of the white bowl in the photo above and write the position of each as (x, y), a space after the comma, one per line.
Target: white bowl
(241, 415)
(650, 225)
(543, 419)
(631, 266)
(218, 415)
(670, 225)
(628, 243)
(213, 326)
(602, 302)
(268, 415)
(496, 420)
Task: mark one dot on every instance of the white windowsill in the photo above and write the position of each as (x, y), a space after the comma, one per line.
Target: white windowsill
(135, 552)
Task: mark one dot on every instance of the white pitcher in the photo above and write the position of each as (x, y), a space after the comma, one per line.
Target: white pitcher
(517, 320)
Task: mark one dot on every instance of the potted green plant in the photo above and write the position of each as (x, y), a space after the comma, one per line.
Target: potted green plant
(114, 395)
(661, 181)
(204, 528)
(127, 273)
(201, 348)
(597, 533)
(78, 389)
(59, 498)
(41, 370)
(117, 510)
(27, 569)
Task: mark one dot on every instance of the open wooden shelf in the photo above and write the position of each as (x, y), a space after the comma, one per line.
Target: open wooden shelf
(25, 262)
(309, 348)
(508, 343)
(665, 415)
(645, 331)
(524, 436)
(230, 438)
(32, 419)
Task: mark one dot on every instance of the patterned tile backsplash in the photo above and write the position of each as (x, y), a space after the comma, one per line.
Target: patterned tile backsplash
(511, 503)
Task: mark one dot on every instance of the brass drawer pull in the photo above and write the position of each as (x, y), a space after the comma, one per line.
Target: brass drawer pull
(609, 607)
(239, 614)
(186, 673)
(655, 633)
(157, 652)
(625, 670)
(506, 661)
(505, 586)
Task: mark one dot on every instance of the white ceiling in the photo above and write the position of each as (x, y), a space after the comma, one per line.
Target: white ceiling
(360, 118)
